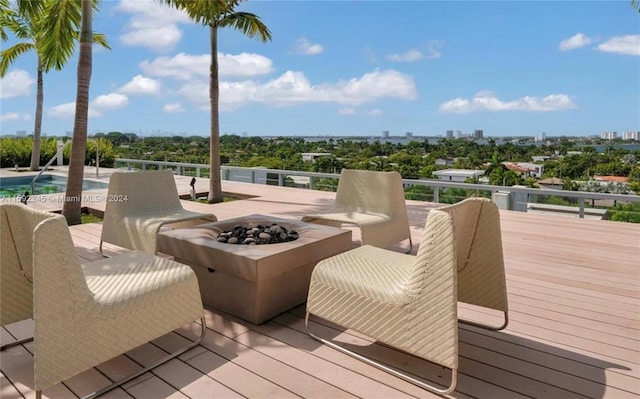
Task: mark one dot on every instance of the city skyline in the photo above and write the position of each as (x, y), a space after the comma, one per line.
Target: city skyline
(354, 69)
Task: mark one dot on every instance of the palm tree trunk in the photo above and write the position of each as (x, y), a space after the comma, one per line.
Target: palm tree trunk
(215, 185)
(37, 129)
(71, 209)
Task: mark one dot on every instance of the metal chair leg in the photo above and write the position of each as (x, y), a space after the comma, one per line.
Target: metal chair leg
(406, 377)
(486, 326)
(100, 250)
(148, 368)
(410, 246)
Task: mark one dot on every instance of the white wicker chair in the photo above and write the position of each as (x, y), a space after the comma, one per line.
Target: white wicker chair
(139, 204)
(16, 266)
(411, 302)
(405, 301)
(87, 314)
(480, 259)
(373, 201)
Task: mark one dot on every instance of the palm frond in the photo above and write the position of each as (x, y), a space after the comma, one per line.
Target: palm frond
(9, 55)
(248, 23)
(101, 39)
(58, 32)
(205, 12)
(11, 20)
(6, 14)
(96, 5)
(635, 4)
(30, 8)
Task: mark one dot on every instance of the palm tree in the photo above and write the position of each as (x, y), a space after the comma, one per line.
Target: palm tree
(219, 14)
(71, 208)
(31, 22)
(494, 163)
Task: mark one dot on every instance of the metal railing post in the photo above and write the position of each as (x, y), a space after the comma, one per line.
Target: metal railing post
(519, 196)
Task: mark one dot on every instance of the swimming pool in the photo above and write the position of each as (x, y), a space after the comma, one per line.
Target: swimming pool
(46, 184)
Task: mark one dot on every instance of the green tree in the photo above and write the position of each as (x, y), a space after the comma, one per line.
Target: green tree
(71, 209)
(497, 176)
(494, 163)
(219, 14)
(419, 192)
(37, 23)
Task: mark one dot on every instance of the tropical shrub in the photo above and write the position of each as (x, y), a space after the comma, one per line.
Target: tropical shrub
(624, 213)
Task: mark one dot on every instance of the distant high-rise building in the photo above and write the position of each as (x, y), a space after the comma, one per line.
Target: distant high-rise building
(21, 133)
(608, 135)
(458, 134)
(449, 134)
(68, 134)
(385, 133)
(478, 134)
(631, 135)
(408, 134)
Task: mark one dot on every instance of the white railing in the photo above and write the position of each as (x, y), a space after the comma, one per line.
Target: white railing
(65, 145)
(518, 198)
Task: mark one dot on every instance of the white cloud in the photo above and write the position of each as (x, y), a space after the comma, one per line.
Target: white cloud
(293, 88)
(105, 102)
(374, 85)
(151, 12)
(151, 25)
(433, 49)
(374, 112)
(243, 65)
(109, 101)
(186, 66)
(576, 41)
(14, 116)
(486, 101)
(409, 56)
(16, 83)
(156, 38)
(628, 45)
(173, 107)
(304, 46)
(141, 85)
(347, 111)
(68, 111)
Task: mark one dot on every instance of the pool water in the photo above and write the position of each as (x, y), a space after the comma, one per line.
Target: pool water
(46, 184)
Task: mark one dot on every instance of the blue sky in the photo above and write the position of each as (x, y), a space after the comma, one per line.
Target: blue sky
(354, 68)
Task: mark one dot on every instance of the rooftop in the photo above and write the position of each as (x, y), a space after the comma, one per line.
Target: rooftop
(574, 297)
(459, 172)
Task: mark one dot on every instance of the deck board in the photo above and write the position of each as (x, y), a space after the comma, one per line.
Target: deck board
(574, 296)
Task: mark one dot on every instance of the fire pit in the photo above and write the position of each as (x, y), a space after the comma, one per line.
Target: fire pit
(254, 282)
(256, 234)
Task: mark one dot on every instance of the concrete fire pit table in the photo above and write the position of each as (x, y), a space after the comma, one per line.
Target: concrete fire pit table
(253, 282)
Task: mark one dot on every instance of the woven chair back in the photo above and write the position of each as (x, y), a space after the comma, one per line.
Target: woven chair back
(16, 266)
(139, 192)
(480, 259)
(371, 192)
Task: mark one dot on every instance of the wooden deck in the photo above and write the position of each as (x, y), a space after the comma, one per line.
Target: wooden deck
(574, 297)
